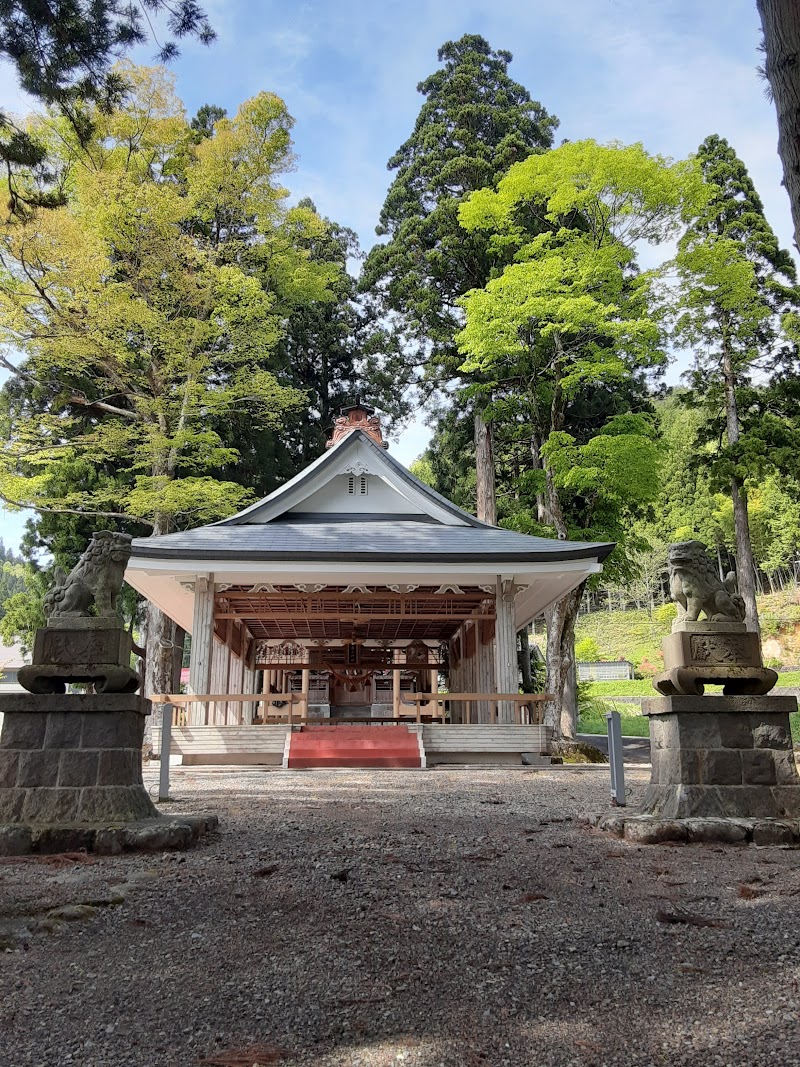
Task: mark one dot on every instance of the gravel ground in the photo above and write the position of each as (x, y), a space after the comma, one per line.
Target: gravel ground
(452, 917)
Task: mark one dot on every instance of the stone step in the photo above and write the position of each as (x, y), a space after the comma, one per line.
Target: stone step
(309, 762)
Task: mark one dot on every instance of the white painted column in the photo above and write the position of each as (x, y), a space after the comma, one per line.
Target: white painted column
(249, 682)
(202, 636)
(434, 684)
(505, 649)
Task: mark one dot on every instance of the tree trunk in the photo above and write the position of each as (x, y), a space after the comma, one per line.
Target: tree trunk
(159, 645)
(158, 663)
(525, 661)
(562, 712)
(484, 469)
(780, 20)
(746, 569)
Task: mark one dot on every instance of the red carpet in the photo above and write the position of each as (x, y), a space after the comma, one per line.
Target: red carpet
(353, 746)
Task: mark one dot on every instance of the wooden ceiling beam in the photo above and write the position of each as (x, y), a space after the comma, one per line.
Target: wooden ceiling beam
(355, 618)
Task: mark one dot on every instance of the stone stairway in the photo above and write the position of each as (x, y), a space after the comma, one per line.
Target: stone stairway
(354, 746)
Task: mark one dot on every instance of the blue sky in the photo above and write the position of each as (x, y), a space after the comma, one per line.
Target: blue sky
(666, 73)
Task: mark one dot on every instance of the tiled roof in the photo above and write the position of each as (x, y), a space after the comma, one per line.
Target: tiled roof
(340, 538)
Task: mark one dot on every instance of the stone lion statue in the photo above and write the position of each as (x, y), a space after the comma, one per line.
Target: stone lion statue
(695, 585)
(95, 579)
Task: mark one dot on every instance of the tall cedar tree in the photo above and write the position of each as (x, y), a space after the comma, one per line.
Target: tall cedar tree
(64, 53)
(780, 21)
(475, 123)
(736, 285)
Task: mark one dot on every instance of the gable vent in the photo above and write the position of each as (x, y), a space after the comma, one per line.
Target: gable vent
(357, 484)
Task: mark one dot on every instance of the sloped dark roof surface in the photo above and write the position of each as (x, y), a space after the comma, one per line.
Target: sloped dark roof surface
(340, 537)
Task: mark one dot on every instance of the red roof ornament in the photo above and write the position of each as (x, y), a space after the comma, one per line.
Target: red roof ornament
(357, 417)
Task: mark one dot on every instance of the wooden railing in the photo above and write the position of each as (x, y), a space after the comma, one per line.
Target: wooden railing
(533, 701)
(295, 710)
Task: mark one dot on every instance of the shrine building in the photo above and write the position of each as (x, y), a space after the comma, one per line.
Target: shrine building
(355, 596)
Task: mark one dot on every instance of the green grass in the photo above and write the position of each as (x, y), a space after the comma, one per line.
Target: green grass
(643, 687)
(592, 719)
(633, 687)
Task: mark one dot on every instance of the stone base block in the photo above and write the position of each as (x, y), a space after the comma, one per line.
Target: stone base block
(722, 757)
(163, 833)
(652, 830)
(72, 759)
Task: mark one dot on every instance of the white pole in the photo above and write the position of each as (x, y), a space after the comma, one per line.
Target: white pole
(615, 759)
(166, 744)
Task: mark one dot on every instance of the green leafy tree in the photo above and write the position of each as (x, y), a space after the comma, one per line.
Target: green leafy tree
(147, 309)
(64, 53)
(567, 319)
(475, 123)
(735, 286)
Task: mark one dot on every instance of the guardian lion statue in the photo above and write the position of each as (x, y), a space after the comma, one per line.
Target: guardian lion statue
(95, 579)
(695, 586)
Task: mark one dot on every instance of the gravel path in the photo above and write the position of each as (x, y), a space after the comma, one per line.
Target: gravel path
(459, 918)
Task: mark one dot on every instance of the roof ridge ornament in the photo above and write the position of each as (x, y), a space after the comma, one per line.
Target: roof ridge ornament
(357, 417)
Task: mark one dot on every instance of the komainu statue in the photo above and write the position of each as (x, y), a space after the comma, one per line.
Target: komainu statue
(717, 650)
(695, 586)
(76, 646)
(96, 579)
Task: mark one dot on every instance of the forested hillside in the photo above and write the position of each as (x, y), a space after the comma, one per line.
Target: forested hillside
(636, 635)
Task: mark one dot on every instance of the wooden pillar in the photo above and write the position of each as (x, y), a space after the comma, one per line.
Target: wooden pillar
(236, 684)
(306, 677)
(505, 649)
(434, 684)
(396, 685)
(220, 657)
(202, 638)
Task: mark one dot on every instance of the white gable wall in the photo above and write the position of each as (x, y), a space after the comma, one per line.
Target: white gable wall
(323, 487)
(334, 497)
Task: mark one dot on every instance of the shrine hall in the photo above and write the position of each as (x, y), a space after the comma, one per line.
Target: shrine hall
(352, 609)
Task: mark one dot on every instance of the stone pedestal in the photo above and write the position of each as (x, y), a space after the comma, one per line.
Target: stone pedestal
(722, 756)
(93, 649)
(706, 653)
(73, 759)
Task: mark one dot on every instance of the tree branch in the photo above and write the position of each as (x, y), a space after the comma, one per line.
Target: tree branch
(101, 405)
(75, 511)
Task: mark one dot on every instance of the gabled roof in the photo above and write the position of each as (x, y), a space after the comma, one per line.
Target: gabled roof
(355, 453)
(413, 523)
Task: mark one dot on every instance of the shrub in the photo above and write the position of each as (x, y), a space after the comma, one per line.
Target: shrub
(665, 613)
(587, 650)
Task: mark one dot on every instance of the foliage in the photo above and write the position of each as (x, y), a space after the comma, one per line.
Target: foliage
(22, 613)
(735, 290)
(63, 52)
(13, 576)
(476, 121)
(148, 307)
(592, 718)
(570, 315)
(587, 650)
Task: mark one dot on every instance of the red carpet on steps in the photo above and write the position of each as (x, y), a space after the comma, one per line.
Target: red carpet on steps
(353, 746)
